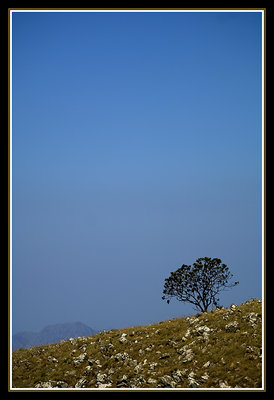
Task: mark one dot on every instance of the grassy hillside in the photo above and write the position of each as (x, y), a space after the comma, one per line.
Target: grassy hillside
(218, 349)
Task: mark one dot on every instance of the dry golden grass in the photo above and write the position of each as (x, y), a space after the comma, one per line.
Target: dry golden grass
(154, 355)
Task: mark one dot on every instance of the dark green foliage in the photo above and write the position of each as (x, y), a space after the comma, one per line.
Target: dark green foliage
(199, 284)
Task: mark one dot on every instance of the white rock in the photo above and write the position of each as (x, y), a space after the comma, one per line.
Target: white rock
(232, 326)
(206, 365)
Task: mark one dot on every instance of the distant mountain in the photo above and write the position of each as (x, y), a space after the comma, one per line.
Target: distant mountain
(51, 334)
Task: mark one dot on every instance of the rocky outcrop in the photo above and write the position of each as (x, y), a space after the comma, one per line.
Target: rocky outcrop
(221, 348)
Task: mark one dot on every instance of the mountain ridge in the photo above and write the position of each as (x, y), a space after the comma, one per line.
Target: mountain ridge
(51, 334)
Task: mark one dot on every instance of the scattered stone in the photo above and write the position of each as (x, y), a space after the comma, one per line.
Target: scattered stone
(192, 381)
(52, 359)
(122, 382)
(70, 373)
(73, 341)
(123, 338)
(81, 383)
(205, 376)
(150, 347)
(132, 363)
(48, 384)
(227, 313)
(192, 320)
(163, 356)
(178, 375)
(152, 381)
(186, 353)
(250, 349)
(223, 384)
(111, 371)
(101, 378)
(107, 349)
(186, 335)
(98, 363)
(121, 356)
(87, 370)
(206, 365)
(62, 384)
(137, 382)
(80, 359)
(138, 368)
(83, 348)
(232, 326)
(104, 385)
(167, 381)
(253, 319)
(201, 330)
(153, 365)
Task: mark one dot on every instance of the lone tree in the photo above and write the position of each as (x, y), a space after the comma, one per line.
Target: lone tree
(199, 284)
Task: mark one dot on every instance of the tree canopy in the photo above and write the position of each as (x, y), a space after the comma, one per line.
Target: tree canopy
(199, 284)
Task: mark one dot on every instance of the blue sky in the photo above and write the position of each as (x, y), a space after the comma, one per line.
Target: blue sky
(136, 141)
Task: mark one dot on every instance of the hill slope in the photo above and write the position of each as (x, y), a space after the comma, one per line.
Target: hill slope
(221, 348)
(51, 334)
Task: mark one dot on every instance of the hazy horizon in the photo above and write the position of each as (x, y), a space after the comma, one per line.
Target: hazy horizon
(136, 148)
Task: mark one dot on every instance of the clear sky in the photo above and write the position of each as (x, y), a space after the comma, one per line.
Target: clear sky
(136, 148)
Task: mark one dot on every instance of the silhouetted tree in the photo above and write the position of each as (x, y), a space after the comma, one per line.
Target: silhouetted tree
(199, 284)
